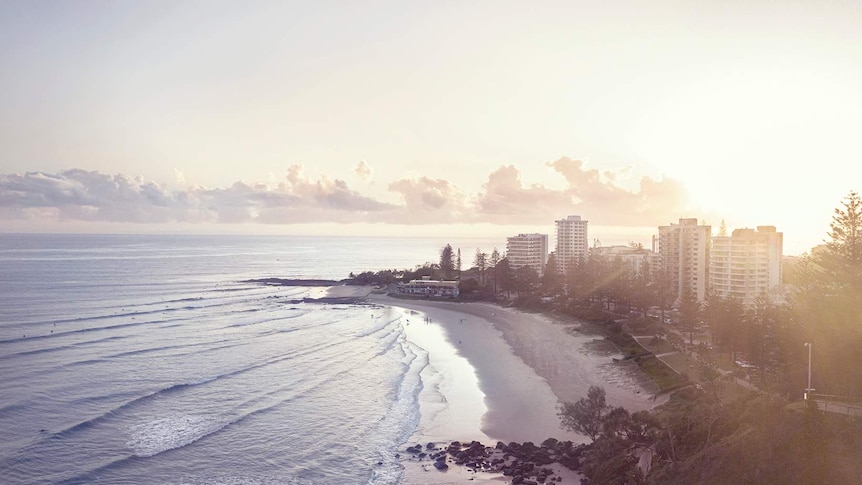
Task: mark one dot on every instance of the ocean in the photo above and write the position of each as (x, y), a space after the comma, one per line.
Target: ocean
(149, 359)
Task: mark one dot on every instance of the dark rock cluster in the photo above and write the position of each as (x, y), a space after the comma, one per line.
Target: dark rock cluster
(525, 463)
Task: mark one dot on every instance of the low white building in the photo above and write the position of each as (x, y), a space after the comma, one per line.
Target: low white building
(430, 288)
(634, 259)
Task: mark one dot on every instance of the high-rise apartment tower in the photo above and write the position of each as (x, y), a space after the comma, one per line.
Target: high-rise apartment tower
(528, 250)
(746, 264)
(684, 250)
(572, 243)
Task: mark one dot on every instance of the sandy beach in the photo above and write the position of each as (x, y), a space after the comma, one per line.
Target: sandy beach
(503, 373)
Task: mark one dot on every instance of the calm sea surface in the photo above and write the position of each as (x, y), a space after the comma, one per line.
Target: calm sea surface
(148, 359)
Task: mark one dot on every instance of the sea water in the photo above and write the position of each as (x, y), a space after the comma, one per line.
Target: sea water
(152, 359)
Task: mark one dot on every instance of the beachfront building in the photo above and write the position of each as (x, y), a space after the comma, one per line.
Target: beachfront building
(528, 250)
(430, 288)
(684, 251)
(746, 264)
(634, 259)
(572, 243)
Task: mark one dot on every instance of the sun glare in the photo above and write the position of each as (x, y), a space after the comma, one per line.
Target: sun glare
(729, 135)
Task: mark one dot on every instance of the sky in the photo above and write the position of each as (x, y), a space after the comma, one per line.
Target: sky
(428, 118)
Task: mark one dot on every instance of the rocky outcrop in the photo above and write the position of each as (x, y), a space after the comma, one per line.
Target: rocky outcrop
(525, 463)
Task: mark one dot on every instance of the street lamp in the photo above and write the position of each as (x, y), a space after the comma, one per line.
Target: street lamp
(808, 389)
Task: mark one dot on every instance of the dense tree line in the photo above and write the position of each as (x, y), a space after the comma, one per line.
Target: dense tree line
(827, 302)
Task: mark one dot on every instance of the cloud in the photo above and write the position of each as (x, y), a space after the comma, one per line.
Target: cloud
(78, 195)
(363, 171)
(507, 200)
(431, 201)
(91, 196)
(591, 193)
(179, 177)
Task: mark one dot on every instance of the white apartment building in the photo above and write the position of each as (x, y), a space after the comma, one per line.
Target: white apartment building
(528, 250)
(633, 259)
(684, 252)
(572, 242)
(746, 263)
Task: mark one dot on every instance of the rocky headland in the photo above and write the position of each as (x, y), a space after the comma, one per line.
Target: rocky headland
(524, 463)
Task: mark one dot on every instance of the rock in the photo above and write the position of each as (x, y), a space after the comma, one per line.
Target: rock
(461, 457)
(542, 458)
(441, 465)
(430, 446)
(550, 443)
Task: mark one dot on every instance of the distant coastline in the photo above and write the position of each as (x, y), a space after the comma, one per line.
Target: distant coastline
(294, 282)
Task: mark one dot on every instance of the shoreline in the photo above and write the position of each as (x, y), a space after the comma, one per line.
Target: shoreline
(520, 365)
(568, 360)
(525, 364)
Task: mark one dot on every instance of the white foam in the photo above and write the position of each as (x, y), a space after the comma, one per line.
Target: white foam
(174, 431)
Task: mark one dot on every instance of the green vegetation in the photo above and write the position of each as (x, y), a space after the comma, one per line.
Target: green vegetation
(587, 415)
(665, 377)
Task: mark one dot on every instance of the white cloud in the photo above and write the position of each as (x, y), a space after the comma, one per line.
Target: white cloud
(363, 171)
(78, 195)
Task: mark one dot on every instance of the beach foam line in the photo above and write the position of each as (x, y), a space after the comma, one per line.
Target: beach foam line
(551, 348)
(519, 404)
(451, 401)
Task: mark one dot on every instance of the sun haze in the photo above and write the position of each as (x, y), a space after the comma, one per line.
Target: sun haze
(196, 115)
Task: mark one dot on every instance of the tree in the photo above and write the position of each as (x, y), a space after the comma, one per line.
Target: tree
(609, 462)
(551, 280)
(725, 317)
(447, 262)
(481, 262)
(663, 291)
(495, 260)
(506, 276)
(526, 279)
(586, 415)
(828, 301)
(458, 264)
(642, 289)
(689, 313)
(710, 379)
(846, 231)
(468, 286)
